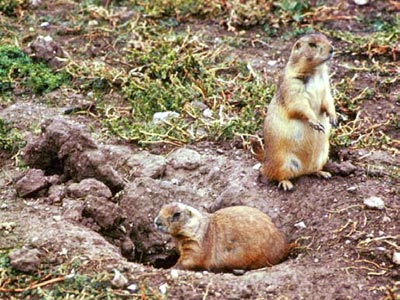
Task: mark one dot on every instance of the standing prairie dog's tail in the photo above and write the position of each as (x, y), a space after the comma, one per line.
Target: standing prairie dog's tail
(256, 148)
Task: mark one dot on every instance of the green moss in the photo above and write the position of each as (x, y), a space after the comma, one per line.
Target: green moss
(8, 7)
(18, 69)
(10, 138)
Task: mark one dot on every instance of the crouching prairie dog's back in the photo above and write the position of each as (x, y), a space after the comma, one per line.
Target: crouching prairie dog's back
(238, 237)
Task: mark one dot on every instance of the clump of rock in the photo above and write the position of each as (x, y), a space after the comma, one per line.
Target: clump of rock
(67, 149)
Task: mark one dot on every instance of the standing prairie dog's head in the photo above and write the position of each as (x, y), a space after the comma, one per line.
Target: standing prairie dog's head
(178, 219)
(311, 51)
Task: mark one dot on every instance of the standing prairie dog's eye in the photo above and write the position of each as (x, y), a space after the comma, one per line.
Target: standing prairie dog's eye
(176, 216)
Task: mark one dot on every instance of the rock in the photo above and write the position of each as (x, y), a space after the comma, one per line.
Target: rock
(61, 237)
(396, 258)
(25, 260)
(106, 214)
(344, 168)
(184, 158)
(232, 195)
(197, 105)
(33, 181)
(128, 248)
(45, 48)
(72, 209)
(66, 148)
(163, 117)
(374, 202)
(56, 193)
(93, 164)
(145, 164)
(119, 280)
(89, 186)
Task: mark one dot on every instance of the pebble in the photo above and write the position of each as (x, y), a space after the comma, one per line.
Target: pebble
(208, 113)
(164, 288)
(352, 189)
(374, 202)
(396, 258)
(174, 274)
(257, 166)
(361, 2)
(300, 225)
(162, 117)
(119, 280)
(133, 288)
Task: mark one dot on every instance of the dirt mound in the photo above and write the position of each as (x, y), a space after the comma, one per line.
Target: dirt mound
(98, 202)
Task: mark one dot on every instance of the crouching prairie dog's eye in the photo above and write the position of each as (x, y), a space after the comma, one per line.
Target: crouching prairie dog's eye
(175, 217)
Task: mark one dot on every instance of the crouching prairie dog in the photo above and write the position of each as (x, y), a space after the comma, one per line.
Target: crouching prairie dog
(234, 238)
(298, 122)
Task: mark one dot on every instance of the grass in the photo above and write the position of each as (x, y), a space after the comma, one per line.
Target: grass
(11, 140)
(17, 70)
(66, 281)
(155, 62)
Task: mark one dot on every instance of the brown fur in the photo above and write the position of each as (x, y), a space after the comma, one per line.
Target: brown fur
(238, 237)
(297, 124)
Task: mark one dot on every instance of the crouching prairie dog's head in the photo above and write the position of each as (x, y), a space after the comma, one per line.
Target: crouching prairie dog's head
(178, 219)
(311, 51)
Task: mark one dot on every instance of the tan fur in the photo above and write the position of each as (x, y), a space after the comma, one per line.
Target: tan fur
(238, 237)
(297, 124)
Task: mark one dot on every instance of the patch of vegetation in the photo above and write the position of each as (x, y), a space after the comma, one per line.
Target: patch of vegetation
(18, 70)
(66, 281)
(11, 139)
(8, 7)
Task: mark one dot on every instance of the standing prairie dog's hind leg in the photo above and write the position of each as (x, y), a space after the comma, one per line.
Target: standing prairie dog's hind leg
(323, 174)
(285, 185)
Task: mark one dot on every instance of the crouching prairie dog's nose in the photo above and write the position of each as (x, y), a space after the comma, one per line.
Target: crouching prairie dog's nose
(157, 223)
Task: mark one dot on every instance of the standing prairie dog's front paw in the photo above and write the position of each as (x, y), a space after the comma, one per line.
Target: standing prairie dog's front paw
(317, 126)
(333, 120)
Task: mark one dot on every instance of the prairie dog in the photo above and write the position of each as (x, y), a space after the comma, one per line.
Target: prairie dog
(298, 122)
(237, 237)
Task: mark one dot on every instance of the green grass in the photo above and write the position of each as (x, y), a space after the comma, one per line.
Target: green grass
(11, 140)
(18, 70)
(66, 281)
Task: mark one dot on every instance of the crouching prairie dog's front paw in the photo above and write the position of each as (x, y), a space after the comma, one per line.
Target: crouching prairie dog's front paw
(286, 185)
(324, 174)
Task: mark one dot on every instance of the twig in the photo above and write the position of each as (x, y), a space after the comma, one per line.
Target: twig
(19, 290)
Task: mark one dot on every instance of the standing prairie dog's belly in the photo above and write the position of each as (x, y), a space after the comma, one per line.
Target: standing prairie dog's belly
(297, 124)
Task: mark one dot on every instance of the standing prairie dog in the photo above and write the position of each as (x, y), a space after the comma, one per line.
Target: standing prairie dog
(238, 237)
(297, 124)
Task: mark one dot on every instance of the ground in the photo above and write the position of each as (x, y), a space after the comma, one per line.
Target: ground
(84, 107)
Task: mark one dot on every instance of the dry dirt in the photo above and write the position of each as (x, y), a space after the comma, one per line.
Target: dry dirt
(345, 248)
